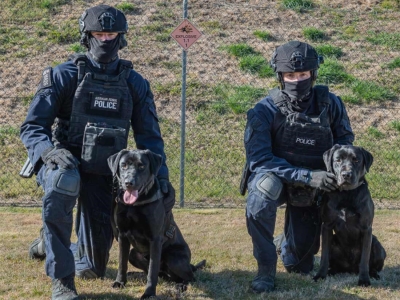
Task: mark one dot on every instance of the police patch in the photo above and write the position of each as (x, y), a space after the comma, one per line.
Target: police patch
(105, 103)
(46, 81)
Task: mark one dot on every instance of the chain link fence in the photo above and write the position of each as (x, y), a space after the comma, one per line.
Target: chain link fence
(227, 73)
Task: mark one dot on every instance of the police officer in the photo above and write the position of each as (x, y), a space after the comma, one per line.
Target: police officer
(285, 137)
(91, 101)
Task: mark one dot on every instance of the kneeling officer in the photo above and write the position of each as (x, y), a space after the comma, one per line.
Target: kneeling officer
(91, 101)
(286, 134)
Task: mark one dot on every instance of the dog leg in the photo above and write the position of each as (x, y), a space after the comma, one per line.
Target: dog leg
(121, 279)
(154, 268)
(327, 235)
(363, 277)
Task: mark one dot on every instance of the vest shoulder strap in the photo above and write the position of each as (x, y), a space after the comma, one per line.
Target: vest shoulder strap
(321, 93)
(79, 59)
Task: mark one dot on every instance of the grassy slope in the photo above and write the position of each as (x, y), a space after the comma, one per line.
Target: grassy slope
(360, 44)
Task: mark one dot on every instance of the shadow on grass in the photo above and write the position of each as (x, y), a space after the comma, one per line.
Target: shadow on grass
(234, 284)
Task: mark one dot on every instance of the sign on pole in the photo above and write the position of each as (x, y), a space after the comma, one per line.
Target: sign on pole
(185, 34)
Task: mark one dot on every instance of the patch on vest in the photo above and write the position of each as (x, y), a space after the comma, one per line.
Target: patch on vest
(46, 79)
(105, 103)
(305, 141)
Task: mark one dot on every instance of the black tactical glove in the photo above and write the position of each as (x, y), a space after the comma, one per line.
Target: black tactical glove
(323, 180)
(169, 193)
(62, 158)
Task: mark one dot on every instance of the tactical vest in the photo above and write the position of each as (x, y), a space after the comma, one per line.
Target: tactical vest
(101, 113)
(302, 139)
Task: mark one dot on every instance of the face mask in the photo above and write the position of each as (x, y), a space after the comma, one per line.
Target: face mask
(298, 90)
(104, 52)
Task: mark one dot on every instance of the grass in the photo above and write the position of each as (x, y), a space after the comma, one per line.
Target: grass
(394, 64)
(217, 235)
(386, 39)
(313, 34)
(297, 5)
(330, 51)
(263, 35)
(250, 61)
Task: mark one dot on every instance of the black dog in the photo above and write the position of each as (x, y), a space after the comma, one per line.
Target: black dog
(349, 212)
(139, 219)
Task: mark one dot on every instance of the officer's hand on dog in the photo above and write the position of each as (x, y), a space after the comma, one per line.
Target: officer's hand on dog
(323, 180)
(169, 193)
(62, 158)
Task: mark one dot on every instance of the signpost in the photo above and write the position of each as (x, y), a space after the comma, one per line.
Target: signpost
(185, 35)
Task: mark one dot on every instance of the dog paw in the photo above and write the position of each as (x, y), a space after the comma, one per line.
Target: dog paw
(118, 285)
(148, 296)
(181, 287)
(364, 282)
(318, 277)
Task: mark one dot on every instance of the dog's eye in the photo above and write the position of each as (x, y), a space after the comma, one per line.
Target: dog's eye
(338, 160)
(141, 167)
(123, 166)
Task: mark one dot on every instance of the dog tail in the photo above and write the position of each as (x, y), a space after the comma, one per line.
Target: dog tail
(199, 265)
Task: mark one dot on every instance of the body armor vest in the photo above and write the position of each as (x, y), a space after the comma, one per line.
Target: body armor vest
(299, 138)
(100, 118)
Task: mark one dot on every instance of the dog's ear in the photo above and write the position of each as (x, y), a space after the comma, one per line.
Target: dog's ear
(327, 156)
(113, 161)
(155, 161)
(368, 159)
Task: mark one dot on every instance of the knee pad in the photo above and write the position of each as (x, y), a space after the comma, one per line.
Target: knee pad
(67, 182)
(270, 185)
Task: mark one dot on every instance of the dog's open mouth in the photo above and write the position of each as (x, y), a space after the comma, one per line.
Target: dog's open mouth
(130, 196)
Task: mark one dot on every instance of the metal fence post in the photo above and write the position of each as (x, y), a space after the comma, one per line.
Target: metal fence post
(183, 119)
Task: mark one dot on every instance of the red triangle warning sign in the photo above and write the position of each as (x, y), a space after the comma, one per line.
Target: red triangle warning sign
(185, 34)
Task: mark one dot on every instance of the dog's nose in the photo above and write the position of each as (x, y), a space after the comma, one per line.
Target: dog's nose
(128, 183)
(346, 174)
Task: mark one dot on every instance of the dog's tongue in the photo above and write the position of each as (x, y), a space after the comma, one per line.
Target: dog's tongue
(130, 197)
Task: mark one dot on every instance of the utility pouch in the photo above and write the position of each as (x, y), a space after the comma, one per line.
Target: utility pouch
(301, 195)
(100, 141)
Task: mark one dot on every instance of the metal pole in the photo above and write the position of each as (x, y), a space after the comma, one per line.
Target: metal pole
(183, 118)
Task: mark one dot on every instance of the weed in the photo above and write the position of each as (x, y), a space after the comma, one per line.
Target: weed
(390, 40)
(263, 35)
(351, 99)
(374, 132)
(394, 64)
(126, 7)
(77, 48)
(370, 91)
(212, 26)
(332, 72)
(65, 33)
(238, 98)
(252, 63)
(327, 50)
(239, 50)
(313, 34)
(395, 125)
(297, 5)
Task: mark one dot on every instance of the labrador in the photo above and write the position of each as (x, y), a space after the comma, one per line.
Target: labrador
(139, 220)
(348, 245)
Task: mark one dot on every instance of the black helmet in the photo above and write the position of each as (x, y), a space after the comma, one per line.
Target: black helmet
(102, 18)
(295, 56)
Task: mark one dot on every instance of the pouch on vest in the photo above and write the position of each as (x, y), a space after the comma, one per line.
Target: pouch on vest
(100, 141)
(301, 195)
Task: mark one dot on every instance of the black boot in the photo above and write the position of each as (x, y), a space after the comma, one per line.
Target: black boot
(36, 248)
(64, 289)
(264, 282)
